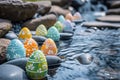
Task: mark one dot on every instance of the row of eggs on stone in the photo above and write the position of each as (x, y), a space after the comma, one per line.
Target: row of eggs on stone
(53, 32)
(17, 49)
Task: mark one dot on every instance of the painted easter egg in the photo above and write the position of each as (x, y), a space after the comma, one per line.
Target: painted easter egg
(53, 34)
(30, 46)
(12, 72)
(61, 18)
(36, 66)
(15, 50)
(68, 27)
(69, 17)
(41, 30)
(25, 33)
(59, 26)
(49, 47)
(77, 16)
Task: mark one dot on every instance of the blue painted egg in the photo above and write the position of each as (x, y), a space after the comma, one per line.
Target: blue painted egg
(53, 34)
(61, 18)
(15, 50)
(68, 27)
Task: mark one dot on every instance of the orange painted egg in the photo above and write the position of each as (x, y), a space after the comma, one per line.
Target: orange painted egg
(69, 16)
(49, 47)
(30, 46)
(25, 33)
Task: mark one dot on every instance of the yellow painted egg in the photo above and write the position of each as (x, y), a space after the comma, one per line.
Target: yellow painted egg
(36, 66)
(25, 33)
(41, 30)
(30, 46)
(49, 47)
(69, 17)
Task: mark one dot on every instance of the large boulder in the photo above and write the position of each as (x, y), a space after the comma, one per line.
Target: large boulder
(3, 46)
(5, 26)
(47, 20)
(58, 10)
(16, 10)
(43, 6)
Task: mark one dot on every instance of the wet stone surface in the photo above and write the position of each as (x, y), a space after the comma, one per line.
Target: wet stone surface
(103, 44)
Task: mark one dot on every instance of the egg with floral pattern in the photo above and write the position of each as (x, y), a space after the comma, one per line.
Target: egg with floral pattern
(49, 47)
(25, 33)
(15, 50)
(36, 66)
(53, 34)
(68, 27)
(41, 30)
(59, 26)
(30, 46)
(61, 18)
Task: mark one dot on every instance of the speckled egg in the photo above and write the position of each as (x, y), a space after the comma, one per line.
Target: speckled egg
(53, 34)
(36, 66)
(61, 18)
(30, 46)
(77, 16)
(25, 33)
(15, 50)
(68, 26)
(49, 47)
(59, 26)
(41, 30)
(69, 17)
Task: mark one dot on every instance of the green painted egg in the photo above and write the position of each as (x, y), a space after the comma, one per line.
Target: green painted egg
(59, 26)
(36, 66)
(41, 30)
(53, 34)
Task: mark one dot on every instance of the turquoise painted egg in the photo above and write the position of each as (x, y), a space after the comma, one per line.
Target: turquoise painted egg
(68, 27)
(59, 26)
(15, 50)
(61, 18)
(53, 34)
(41, 30)
(36, 66)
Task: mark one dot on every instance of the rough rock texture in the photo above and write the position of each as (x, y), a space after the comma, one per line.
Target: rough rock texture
(17, 10)
(59, 11)
(113, 11)
(115, 4)
(47, 20)
(3, 46)
(43, 6)
(5, 26)
(61, 2)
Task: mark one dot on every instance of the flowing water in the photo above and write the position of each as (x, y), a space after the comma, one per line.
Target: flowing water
(102, 44)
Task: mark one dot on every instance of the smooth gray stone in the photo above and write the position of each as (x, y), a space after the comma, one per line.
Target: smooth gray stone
(53, 61)
(85, 58)
(39, 39)
(65, 36)
(12, 72)
(11, 35)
